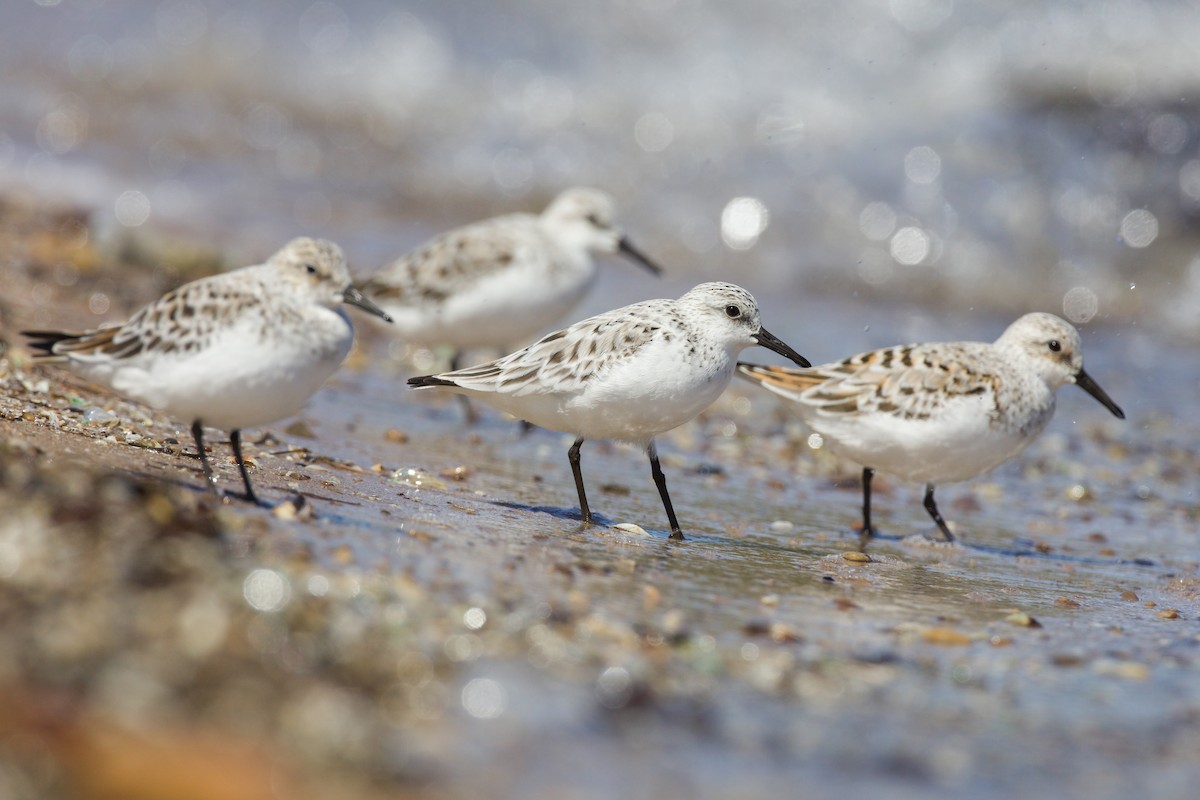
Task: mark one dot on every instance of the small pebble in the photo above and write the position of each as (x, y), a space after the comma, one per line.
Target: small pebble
(783, 633)
(459, 473)
(301, 429)
(98, 416)
(395, 436)
(856, 557)
(673, 623)
(1022, 619)
(293, 509)
(1129, 597)
(629, 527)
(1123, 669)
(1169, 613)
(947, 637)
(1066, 602)
(782, 526)
(1066, 660)
(770, 600)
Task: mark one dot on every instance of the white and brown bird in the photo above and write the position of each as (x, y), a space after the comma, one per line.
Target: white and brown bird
(230, 351)
(628, 374)
(500, 282)
(937, 413)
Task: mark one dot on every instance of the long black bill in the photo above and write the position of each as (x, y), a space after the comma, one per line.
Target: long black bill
(1085, 382)
(356, 298)
(633, 254)
(772, 342)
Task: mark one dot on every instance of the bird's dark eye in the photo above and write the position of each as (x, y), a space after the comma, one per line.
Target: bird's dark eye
(1054, 346)
(732, 311)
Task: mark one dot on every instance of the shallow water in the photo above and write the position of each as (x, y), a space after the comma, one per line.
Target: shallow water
(873, 701)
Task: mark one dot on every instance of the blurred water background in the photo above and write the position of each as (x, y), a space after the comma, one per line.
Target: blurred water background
(937, 155)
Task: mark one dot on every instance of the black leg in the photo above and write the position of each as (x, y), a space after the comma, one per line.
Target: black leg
(209, 478)
(932, 508)
(235, 441)
(573, 455)
(660, 481)
(867, 530)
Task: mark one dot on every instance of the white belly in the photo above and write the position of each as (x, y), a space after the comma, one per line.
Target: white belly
(633, 401)
(238, 380)
(504, 310)
(954, 446)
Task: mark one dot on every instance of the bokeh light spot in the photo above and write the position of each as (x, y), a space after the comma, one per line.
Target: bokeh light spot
(1189, 179)
(922, 165)
(742, 221)
(474, 618)
(266, 590)
(132, 208)
(654, 132)
(1139, 228)
(877, 220)
(484, 698)
(1080, 304)
(1168, 133)
(910, 246)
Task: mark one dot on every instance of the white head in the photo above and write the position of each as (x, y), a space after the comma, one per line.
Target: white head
(585, 217)
(1051, 347)
(733, 312)
(315, 269)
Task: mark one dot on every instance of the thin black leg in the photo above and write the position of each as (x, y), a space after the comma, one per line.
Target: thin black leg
(867, 530)
(235, 441)
(932, 508)
(209, 478)
(573, 456)
(660, 481)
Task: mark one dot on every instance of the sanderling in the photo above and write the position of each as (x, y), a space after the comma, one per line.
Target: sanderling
(937, 413)
(628, 374)
(230, 351)
(499, 282)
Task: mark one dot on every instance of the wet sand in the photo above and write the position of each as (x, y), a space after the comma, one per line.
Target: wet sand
(432, 620)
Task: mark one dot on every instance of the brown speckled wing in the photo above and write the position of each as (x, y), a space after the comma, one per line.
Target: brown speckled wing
(180, 321)
(564, 361)
(453, 261)
(907, 381)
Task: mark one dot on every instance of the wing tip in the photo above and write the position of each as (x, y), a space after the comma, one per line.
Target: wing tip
(429, 380)
(44, 342)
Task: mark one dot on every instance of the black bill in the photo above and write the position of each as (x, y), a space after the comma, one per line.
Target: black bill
(356, 298)
(772, 342)
(1085, 382)
(633, 254)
